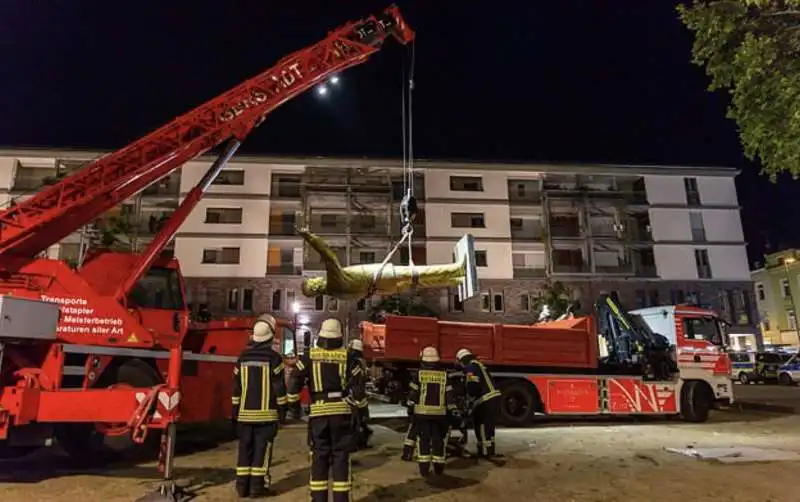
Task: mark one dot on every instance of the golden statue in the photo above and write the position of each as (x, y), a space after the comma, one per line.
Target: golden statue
(360, 281)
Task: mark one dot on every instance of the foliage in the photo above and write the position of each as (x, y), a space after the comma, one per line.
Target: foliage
(752, 49)
(556, 297)
(400, 305)
(115, 233)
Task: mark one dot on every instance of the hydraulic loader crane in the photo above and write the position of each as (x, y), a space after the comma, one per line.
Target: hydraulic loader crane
(50, 311)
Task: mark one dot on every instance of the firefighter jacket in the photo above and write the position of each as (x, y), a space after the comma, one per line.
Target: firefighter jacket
(259, 385)
(358, 377)
(480, 387)
(431, 394)
(329, 374)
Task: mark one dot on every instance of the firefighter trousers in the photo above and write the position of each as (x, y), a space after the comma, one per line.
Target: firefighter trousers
(331, 441)
(432, 432)
(255, 456)
(484, 417)
(410, 441)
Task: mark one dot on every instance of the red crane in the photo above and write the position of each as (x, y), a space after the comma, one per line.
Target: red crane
(112, 330)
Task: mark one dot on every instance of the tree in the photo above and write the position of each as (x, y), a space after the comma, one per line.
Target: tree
(400, 305)
(554, 300)
(752, 49)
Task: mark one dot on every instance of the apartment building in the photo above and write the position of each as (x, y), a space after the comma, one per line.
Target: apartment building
(654, 234)
(777, 293)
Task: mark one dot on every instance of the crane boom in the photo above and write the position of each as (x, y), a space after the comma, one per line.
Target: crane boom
(33, 225)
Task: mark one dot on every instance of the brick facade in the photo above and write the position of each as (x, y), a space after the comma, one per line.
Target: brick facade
(215, 291)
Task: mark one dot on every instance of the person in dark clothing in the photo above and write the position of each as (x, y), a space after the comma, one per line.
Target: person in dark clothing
(432, 403)
(363, 431)
(410, 441)
(483, 395)
(259, 402)
(328, 372)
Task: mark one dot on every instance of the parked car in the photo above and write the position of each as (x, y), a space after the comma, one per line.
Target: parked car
(751, 367)
(789, 372)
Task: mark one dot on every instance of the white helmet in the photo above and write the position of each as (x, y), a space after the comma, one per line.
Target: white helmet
(330, 329)
(430, 355)
(264, 328)
(461, 354)
(357, 344)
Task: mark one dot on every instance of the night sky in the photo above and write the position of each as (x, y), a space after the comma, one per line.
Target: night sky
(556, 81)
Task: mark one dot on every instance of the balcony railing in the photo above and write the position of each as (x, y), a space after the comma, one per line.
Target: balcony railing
(285, 269)
(570, 269)
(645, 271)
(285, 229)
(529, 272)
(525, 197)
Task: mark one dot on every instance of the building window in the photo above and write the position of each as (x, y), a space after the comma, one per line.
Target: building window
(760, 292)
(515, 223)
(466, 184)
(764, 322)
(498, 302)
(692, 298)
(692, 193)
(481, 260)
(486, 302)
(277, 296)
(224, 215)
(404, 256)
(525, 302)
(703, 266)
(361, 305)
(221, 256)
(786, 292)
(791, 320)
(467, 220)
(290, 299)
(368, 256)
(654, 300)
(456, 305)
(328, 220)
(230, 177)
(333, 304)
(698, 229)
(641, 298)
(319, 303)
(240, 300)
(676, 295)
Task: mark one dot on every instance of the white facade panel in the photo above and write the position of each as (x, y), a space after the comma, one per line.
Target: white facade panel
(255, 217)
(670, 225)
(257, 177)
(728, 263)
(665, 189)
(722, 225)
(717, 190)
(437, 185)
(438, 220)
(498, 257)
(675, 262)
(252, 257)
(7, 165)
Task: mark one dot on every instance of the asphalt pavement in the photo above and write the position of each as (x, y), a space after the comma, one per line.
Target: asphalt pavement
(768, 397)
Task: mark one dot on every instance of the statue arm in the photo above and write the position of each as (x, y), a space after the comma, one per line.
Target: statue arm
(320, 246)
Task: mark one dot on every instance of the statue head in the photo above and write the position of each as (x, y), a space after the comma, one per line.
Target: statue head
(314, 286)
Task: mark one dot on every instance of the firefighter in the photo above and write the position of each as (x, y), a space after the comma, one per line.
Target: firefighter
(328, 372)
(483, 395)
(363, 431)
(410, 441)
(259, 403)
(432, 404)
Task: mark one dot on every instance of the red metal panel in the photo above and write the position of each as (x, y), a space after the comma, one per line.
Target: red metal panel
(568, 395)
(632, 395)
(555, 346)
(408, 335)
(479, 338)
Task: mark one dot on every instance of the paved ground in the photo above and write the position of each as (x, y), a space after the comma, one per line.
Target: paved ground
(770, 395)
(597, 462)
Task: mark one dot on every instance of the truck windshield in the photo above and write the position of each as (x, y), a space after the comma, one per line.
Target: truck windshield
(703, 328)
(160, 288)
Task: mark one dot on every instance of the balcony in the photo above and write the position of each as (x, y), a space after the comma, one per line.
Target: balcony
(568, 228)
(284, 269)
(286, 187)
(527, 229)
(169, 187)
(284, 229)
(524, 191)
(569, 268)
(529, 272)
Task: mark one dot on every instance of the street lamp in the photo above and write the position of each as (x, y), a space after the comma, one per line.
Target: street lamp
(786, 262)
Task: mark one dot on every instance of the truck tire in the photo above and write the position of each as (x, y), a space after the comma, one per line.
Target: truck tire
(696, 401)
(518, 402)
(107, 442)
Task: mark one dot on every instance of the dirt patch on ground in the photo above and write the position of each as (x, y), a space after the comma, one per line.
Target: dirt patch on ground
(601, 462)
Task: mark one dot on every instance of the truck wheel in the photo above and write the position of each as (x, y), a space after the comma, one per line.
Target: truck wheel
(517, 403)
(744, 378)
(110, 441)
(696, 401)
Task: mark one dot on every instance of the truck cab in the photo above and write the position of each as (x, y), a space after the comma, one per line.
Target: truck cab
(700, 339)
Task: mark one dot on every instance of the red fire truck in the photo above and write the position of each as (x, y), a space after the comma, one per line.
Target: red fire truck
(106, 352)
(656, 361)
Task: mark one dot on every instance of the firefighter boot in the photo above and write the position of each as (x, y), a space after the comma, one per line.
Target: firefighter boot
(438, 469)
(243, 486)
(408, 453)
(425, 469)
